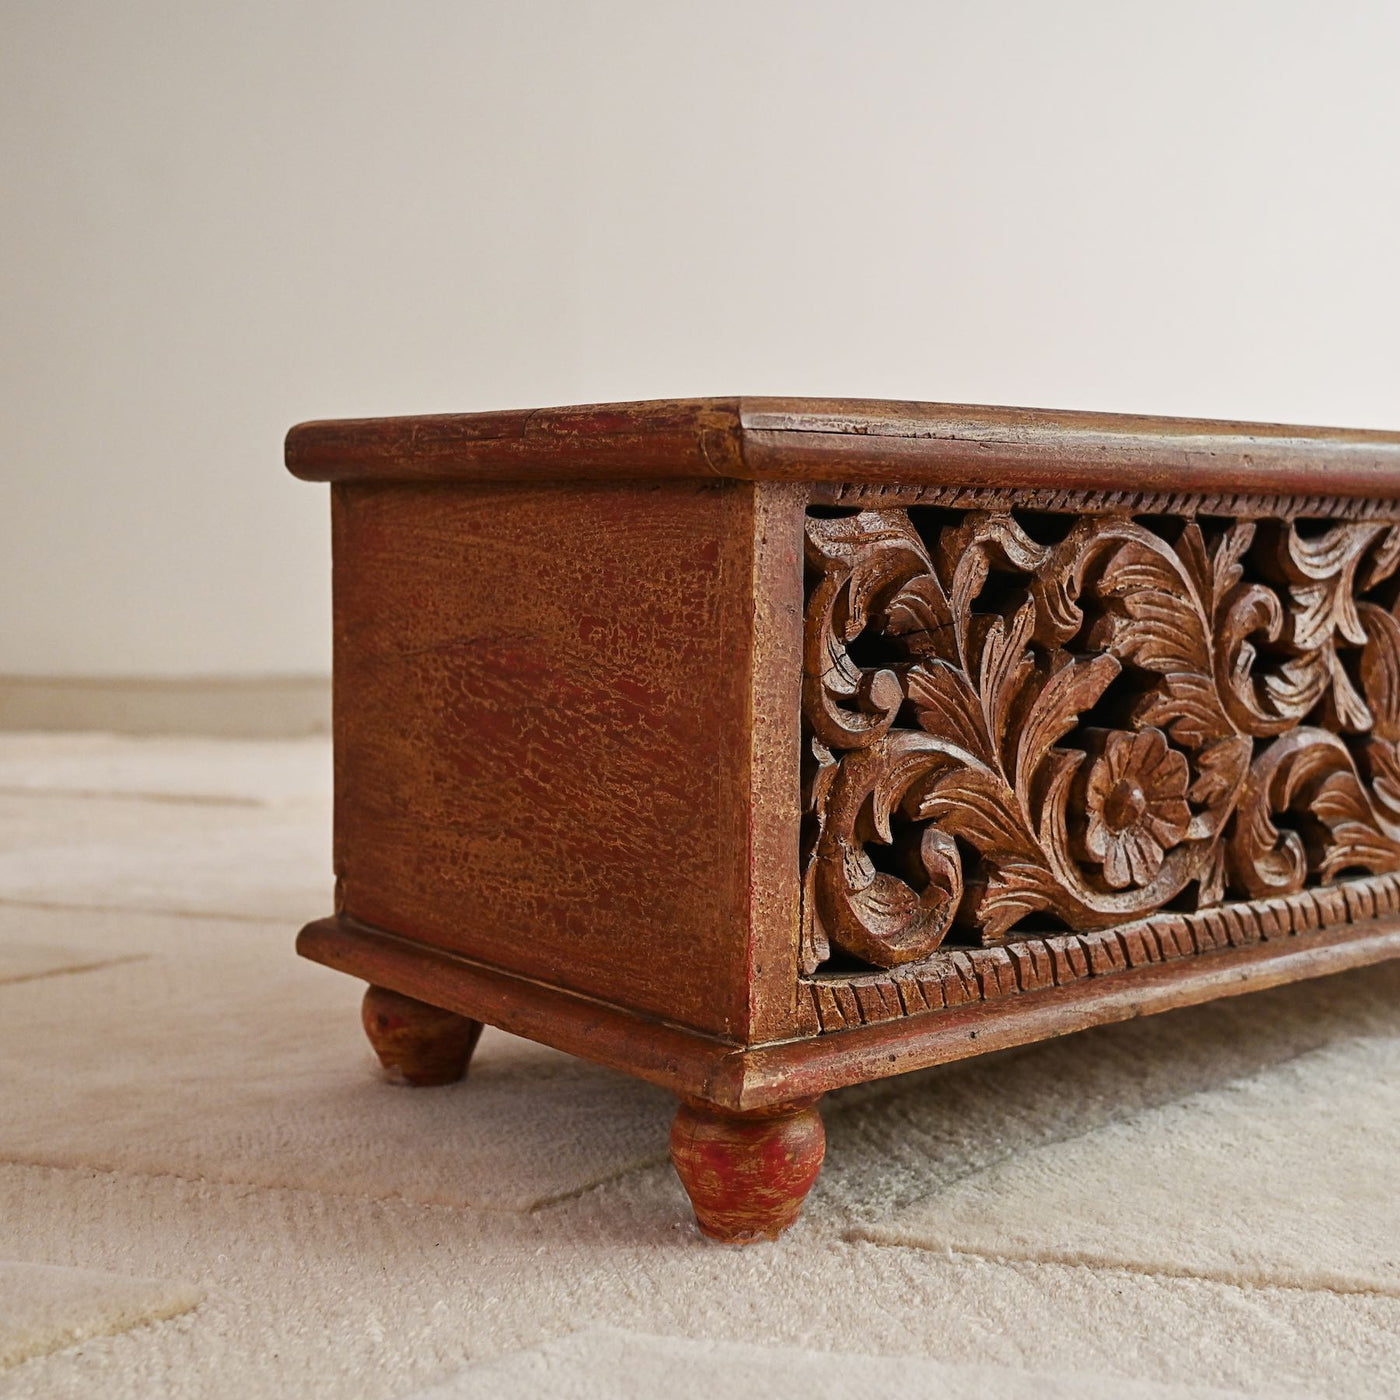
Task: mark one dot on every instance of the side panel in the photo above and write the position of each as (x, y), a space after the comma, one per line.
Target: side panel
(542, 732)
(779, 1007)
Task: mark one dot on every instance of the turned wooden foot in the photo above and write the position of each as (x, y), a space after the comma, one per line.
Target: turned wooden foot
(420, 1044)
(747, 1174)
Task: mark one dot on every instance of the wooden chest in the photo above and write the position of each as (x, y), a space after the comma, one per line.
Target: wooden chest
(758, 747)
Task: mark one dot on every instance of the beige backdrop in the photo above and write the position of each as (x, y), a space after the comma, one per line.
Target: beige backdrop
(224, 218)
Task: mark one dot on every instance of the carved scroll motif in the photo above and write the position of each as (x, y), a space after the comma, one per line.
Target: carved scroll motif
(1086, 723)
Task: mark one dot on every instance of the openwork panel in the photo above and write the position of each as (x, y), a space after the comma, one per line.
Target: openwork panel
(1019, 724)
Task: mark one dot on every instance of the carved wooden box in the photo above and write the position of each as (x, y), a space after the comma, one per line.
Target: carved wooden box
(758, 747)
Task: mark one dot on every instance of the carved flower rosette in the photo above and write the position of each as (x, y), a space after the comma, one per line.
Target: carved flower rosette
(1074, 721)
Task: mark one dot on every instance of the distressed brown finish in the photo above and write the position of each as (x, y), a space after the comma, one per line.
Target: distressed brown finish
(420, 1044)
(747, 1175)
(770, 1073)
(850, 441)
(758, 747)
(541, 728)
(951, 978)
(1101, 722)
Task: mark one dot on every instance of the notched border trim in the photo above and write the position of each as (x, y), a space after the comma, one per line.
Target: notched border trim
(1241, 505)
(956, 977)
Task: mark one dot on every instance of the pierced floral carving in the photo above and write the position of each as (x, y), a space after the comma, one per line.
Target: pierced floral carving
(1135, 800)
(1085, 720)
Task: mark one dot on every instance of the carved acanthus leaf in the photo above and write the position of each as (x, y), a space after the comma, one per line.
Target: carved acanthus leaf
(1090, 727)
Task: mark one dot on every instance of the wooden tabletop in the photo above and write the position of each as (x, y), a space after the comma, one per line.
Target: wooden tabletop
(863, 441)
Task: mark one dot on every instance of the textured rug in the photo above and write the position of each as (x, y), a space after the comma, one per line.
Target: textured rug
(44, 1307)
(1193, 1204)
(635, 1366)
(1274, 1179)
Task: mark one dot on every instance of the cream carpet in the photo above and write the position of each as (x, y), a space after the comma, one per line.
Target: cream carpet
(206, 1190)
(639, 1367)
(47, 1307)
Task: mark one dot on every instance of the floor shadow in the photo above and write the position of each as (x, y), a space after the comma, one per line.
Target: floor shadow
(894, 1142)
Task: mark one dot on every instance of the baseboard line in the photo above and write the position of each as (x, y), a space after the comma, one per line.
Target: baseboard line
(230, 707)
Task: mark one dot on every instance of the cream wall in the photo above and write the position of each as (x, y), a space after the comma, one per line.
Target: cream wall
(223, 217)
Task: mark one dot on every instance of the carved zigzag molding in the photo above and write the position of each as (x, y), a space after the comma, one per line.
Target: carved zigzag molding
(953, 977)
(1236, 504)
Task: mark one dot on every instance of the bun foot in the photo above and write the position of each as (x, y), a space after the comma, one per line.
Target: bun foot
(420, 1044)
(747, 1174)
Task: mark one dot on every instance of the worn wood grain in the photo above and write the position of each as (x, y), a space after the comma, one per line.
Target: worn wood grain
(760, 747)
(686, 438)
(854, 441)
(1088, 725)
(542, 732)
(747, 1175)
(417, 1043)
(1032, 962)
(744, 1077)
(859, 1053)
